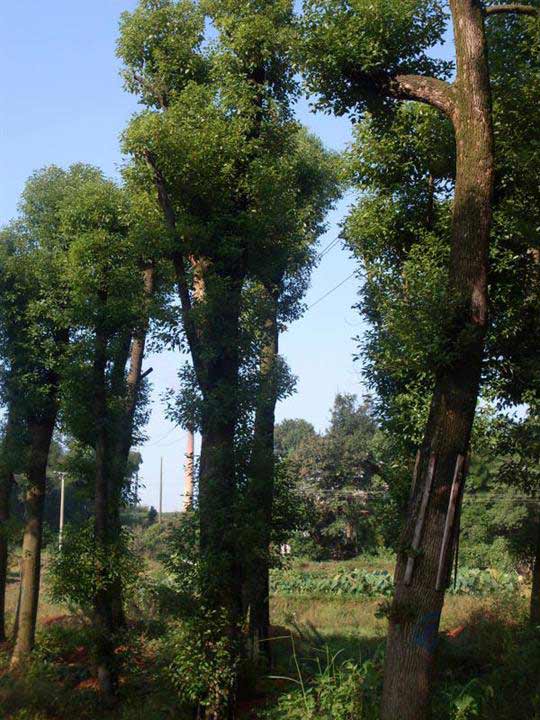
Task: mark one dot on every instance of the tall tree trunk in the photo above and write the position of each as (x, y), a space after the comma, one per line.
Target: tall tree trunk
(124, 430)
(416, 608)
(6, 485)
(40, 432)
(220, 563)
(535, 590)
(104, 625)
(261, 490)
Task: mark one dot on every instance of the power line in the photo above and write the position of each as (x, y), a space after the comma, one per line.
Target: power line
(163, 437)
(331, 291)
(329, 247)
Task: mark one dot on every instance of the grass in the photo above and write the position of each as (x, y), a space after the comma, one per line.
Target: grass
(489, 663)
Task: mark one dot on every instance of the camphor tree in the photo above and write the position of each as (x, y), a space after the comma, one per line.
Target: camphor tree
(272, 301)
(400, 231)
(362, 55)
(214, 144)
(114, 241)
(35, 333)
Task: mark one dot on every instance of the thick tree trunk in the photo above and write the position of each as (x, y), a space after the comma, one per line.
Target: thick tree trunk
(40, 432)
(219, 543)
(535, 590)
(261, 492)
(415, 612)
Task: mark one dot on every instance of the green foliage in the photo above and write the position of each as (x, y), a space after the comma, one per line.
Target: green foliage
(338, 689)
(81, 566)
(359, 582)
(204, 663)
(334, 473)
(159, 43)
(350, 46)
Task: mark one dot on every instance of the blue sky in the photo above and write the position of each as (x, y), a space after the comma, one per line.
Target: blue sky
(62, 101)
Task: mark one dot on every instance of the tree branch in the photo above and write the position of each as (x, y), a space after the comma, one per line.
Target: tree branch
(177, 258)
(428, 90)
(145, 374)
(160, 96)
(512, 8)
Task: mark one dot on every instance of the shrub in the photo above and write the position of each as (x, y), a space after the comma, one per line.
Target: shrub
(348, 691)
(73, 572)
(203, 661)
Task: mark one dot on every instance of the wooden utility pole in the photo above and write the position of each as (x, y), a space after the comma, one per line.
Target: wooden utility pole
(160, 490)
(188, 470)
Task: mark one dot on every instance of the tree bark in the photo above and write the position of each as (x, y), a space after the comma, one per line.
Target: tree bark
(535, 589)
(104, 625)
(220, 562)
(414, 614)
(41, 431)
(6, 485)
(217, 475)
(261, 491)
(124, 432)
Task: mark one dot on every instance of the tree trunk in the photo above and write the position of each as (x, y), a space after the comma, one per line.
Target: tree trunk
(261, 491)
(535, 590)
(124, 430)
(415, 611)
(219, 543)
(41, 432)
(104, 626)
(6, 485)
(7, 481)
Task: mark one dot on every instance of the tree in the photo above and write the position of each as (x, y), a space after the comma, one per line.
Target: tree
(334, 473)
(357, 56)
(10, 459)
(289, 434)
(399, 230)
(215, 145)
(36, 326)
(280, 283)
(111, 279)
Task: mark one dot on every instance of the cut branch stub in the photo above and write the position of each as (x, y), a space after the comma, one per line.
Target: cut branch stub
(415, 546)
(453, 501)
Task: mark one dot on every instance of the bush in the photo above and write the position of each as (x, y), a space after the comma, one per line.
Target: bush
(203, 661)
(347, 690)
(78, 567)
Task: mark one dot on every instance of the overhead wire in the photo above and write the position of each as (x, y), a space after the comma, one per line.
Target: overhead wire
(329, 247)
(331, 291)
(163, 437)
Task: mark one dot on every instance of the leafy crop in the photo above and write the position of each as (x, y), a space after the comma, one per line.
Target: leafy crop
(378, 583)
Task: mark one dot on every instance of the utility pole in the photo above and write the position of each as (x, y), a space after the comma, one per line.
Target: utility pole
(160, 490)
(188, 470)
(62, 505)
